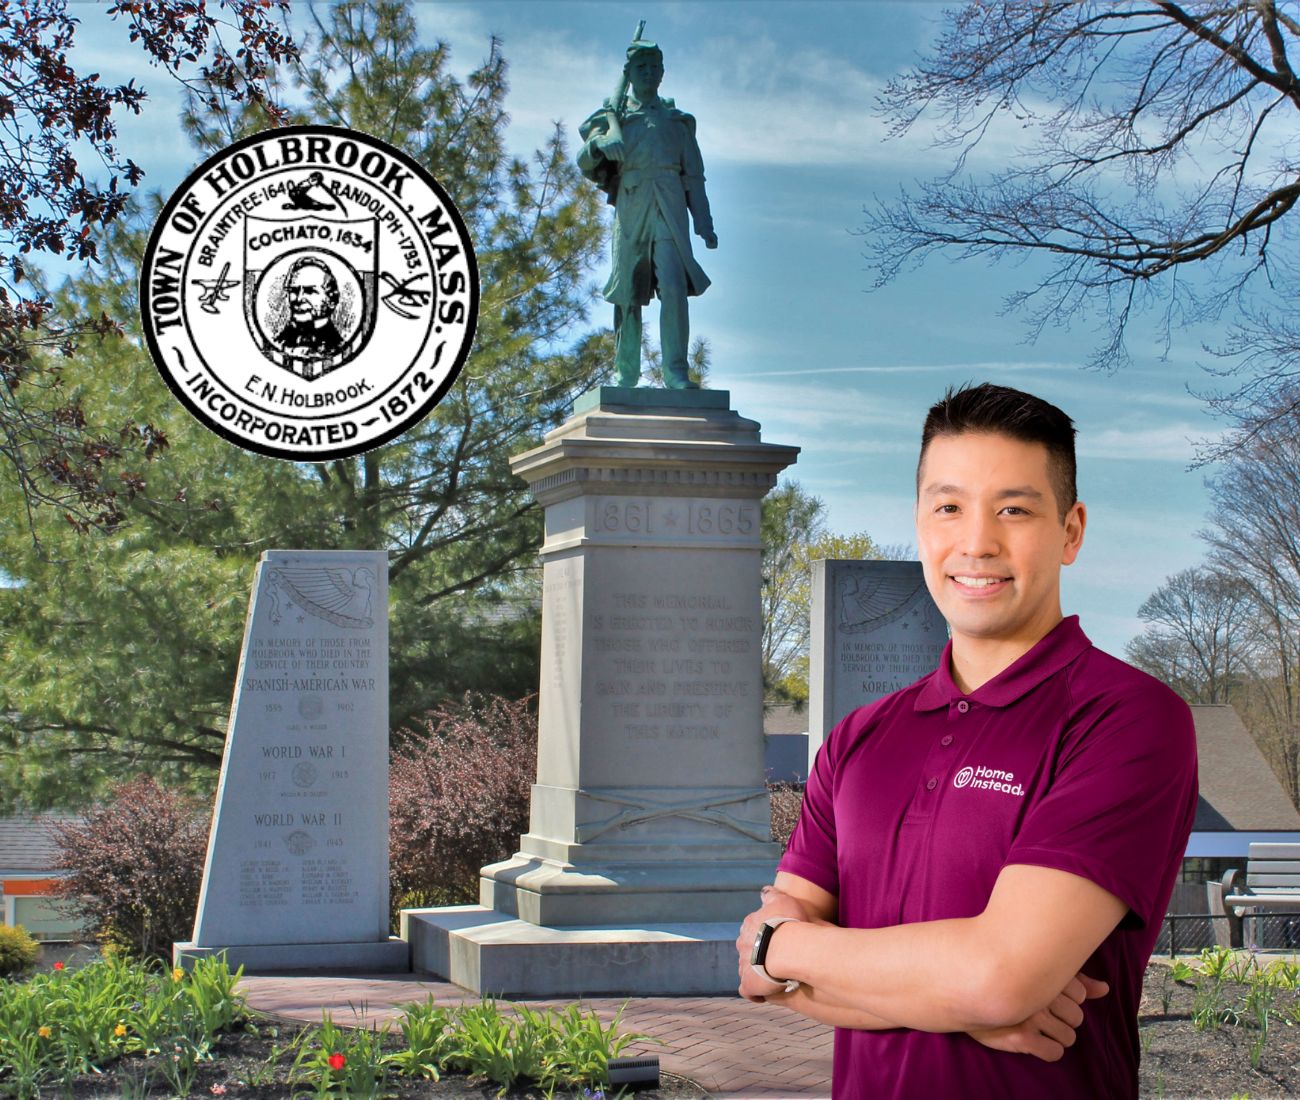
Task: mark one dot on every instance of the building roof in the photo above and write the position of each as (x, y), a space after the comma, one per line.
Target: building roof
(1239, 790)
(26, 846)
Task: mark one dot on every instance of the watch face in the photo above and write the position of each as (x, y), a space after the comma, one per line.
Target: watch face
(761, 941)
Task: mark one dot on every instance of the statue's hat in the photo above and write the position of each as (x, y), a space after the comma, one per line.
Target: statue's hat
(641, 46)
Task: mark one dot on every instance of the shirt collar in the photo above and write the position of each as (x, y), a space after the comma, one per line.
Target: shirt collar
(1051, 653)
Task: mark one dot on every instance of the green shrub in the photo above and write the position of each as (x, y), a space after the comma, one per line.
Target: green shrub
(17, 950)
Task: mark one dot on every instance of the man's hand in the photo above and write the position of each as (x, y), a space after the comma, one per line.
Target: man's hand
(1046, 1034)
(610, 147)
(709, 238)
(775, 904)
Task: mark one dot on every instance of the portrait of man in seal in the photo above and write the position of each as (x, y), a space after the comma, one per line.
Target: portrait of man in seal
(309, 290)
(312, 293)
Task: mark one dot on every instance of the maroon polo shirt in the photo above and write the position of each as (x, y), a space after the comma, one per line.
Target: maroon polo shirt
(1068, 758)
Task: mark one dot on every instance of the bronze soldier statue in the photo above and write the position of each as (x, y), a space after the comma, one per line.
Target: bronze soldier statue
(641, 150)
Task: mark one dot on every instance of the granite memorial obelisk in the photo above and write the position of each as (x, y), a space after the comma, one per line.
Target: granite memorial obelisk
(296, 875)
(874, 629)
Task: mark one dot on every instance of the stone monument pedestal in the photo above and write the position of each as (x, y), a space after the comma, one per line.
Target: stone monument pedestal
(649, 830)
(387, 956)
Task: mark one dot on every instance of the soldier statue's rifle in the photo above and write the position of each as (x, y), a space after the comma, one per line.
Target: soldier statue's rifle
(620, 95)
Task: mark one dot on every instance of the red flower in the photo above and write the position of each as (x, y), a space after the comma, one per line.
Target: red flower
(337, 1061)
(58, 966)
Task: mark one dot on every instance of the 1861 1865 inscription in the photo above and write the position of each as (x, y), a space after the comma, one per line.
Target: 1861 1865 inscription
(649, 516)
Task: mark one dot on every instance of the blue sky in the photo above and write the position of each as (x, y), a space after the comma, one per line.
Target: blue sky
(783, 94)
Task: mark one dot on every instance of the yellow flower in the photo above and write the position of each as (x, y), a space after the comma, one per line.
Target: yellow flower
(120, 1030)
(44, 1032)
(177, 974)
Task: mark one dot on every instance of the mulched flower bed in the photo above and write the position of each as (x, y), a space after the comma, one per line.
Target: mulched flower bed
(239, 1071)
(1181, 1061)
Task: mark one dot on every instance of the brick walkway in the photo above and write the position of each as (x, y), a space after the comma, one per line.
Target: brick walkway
(735, 1049)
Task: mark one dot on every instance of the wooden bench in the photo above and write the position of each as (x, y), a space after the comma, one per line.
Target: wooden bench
(1272, 880)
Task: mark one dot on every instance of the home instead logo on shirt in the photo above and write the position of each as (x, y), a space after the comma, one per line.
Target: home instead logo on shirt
(988, 779)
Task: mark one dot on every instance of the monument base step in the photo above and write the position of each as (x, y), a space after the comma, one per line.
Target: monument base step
(496, 954)
(391, 956)
(620, 895)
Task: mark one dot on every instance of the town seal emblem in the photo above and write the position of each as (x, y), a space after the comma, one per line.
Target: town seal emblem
(309, 293)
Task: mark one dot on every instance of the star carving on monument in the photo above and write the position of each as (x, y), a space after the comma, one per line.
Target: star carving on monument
(670, 517)
(302, 618)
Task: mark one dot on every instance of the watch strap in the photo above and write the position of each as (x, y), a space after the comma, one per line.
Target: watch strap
(758, 957)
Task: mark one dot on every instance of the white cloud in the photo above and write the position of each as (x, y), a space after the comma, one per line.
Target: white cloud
(917, 368)
(1155, 442)
(757, 101)
(823, 410)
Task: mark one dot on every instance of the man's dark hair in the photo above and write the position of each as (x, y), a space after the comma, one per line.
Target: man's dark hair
(1003, 411)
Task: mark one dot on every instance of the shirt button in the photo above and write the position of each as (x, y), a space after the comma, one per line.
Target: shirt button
(947, 740)
(930, 784)
(963, 706)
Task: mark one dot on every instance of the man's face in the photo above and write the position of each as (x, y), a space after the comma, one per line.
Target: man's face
(645, 73)
(990, 538)
(309, 297)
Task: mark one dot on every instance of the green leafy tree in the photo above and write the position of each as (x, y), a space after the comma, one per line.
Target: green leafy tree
(791, 518)
(120, 652)
(794, 536)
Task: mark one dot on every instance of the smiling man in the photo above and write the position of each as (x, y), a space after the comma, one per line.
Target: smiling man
(984, 858)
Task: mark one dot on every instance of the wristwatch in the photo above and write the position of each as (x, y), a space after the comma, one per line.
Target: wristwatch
(759, 955)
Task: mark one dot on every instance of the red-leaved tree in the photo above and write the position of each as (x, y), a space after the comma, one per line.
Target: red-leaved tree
(50, 115)
(787, 802)
(458, 796)
(134, 866)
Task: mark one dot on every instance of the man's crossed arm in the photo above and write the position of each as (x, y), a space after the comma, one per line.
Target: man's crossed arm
(1009, 977)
